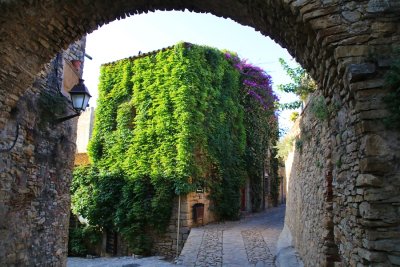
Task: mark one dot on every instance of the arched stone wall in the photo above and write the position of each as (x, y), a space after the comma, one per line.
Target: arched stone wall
(34, 31)
(345, 44)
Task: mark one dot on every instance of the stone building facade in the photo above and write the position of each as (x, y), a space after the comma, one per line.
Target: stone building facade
(84, 132)
(193, 209)
(171, 243)
(346, 45)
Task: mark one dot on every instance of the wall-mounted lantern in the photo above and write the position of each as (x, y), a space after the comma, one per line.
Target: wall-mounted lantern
(79, 98)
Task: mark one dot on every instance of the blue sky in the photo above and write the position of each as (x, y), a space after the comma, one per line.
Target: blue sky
(152, 31)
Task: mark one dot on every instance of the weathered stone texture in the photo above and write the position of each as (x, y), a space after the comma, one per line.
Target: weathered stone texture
(166, 244)
(346, 45)
(35, 177)
(343, 197)
(309, 201)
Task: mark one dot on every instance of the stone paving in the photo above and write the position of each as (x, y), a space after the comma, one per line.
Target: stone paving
(248, 242)
(118, 262)
(256, 248)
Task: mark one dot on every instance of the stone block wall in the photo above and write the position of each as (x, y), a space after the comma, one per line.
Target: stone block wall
(309, 199)
(199, 198)
(166, 244)
(342, 209)
(35, 174)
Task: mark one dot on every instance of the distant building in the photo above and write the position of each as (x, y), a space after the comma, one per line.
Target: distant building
(84, 132)
(168, 104)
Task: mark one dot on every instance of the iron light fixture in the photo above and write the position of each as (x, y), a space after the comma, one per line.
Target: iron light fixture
(79, 98)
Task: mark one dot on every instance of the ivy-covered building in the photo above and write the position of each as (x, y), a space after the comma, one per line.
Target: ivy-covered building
(187, 131)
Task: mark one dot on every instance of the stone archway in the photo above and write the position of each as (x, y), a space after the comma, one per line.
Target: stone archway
(345, 44)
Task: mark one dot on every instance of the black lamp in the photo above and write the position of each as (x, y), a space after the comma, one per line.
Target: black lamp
(80, 98)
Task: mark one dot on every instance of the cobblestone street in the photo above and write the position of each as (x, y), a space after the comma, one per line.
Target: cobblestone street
(248, 242)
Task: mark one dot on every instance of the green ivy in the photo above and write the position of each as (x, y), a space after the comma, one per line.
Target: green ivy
(96, 194)
(165, 124)
(274, 176)
(260, 129)
(82, 238)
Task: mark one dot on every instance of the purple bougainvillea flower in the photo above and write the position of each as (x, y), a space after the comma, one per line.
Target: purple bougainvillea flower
(250, 83)
(257, 82)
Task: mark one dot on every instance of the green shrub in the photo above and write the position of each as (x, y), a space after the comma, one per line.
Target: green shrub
(284, 147)
(299, 144)
(294, 115)
(319, 108)
(82, 238)
(302, 85)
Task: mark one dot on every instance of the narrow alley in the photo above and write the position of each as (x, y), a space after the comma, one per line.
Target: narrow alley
(249, 242)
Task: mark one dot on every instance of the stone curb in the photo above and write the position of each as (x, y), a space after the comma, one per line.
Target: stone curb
(287, 255)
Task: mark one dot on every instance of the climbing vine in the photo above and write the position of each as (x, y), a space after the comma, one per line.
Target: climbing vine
(167, 123)
(275, 178)
(260, 124)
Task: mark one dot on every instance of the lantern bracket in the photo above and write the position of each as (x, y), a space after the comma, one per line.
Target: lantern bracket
(79, 99)
(57, 121)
